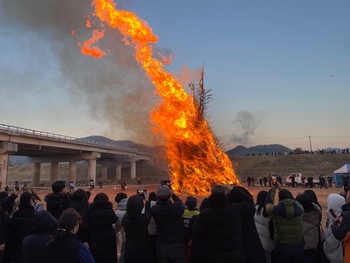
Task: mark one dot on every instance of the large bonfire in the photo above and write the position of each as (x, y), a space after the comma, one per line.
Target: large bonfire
(196, 161)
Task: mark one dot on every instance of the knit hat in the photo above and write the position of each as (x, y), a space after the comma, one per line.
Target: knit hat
(163, 192)
(25, 197)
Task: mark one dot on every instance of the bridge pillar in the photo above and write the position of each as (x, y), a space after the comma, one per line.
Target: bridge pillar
(54, 172)
(92, 170)
(36, 175)
(132, 161)
(133, 170)
(73, 172)
(6, 148)
(118, 171)
(104, 171)
(4, 164)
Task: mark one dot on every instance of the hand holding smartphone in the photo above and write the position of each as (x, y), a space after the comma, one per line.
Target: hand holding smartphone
(331, 211)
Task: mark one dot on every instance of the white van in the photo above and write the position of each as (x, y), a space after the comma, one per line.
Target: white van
(298, 181)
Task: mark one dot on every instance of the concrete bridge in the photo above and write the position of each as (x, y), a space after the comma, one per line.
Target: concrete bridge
(43, 147)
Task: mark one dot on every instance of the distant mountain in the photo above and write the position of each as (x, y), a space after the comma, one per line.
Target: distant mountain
(123, 143)
(272, 149)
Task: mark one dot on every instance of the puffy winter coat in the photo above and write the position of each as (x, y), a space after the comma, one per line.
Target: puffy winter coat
(332, 247)
(263, 227)
(341, 231)
(103, 238)
(220, 226)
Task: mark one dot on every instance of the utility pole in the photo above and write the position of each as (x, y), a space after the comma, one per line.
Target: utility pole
(310, 142)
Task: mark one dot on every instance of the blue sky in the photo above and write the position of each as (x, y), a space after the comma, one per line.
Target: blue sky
(278, 71)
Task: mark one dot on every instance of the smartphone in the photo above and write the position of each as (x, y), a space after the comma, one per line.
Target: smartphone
(71, 184)
(332, 213)
(141, 193)
(17, 185)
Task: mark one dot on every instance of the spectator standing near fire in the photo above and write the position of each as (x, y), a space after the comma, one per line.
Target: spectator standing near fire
(79, 202)
(341, 228)
(288, 225)
(19, 226)
(64, 247)
(103, 244)
(135, 224)
(170, 235)
(58, 201)
(121, 199)
(311, 223)
(42, 226)
(241, 198)
(220, 226)
(332, 247)
(264, 225)
(190, 211)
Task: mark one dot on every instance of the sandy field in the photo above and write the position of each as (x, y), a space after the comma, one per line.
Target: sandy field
(111, 191)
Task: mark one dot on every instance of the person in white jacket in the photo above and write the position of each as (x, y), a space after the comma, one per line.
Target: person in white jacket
(121, 200)
(332, 247)
(264, 225)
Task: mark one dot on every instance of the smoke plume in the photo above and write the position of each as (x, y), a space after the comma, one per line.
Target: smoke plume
(118, 94)
(246, 123)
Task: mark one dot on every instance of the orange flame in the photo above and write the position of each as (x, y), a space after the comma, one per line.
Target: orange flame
(86, 48)
(196, 161)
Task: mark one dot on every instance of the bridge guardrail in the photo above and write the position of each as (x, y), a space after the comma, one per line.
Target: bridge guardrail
(41, 134)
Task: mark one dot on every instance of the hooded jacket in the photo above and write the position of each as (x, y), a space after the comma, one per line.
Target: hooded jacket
(263, 227)
(103, 238)
(135, 223)
(288, 224)
(311, 223)
(121, 210)
(220, 226)
(84, 231)
(332, 247)
(56, 203)
(42, 226)
(341, 231)
(168, 217)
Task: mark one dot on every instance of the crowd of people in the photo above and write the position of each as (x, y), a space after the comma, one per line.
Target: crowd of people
(228, 226)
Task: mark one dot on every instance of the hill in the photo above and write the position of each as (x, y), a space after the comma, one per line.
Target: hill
(271, 149)
(283, 165)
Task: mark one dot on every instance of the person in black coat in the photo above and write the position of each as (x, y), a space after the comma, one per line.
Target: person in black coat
(103, 243)
(64, 247)
(220, 226)
(197, 249)
(243, 200)
(58, 201)
(135, 224)
(170, 234)
(4, 216)
(19, 226)
(79, 202)
(42, 226)
(8, 201)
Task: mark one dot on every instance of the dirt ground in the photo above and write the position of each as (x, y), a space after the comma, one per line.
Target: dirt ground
(111, 191)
